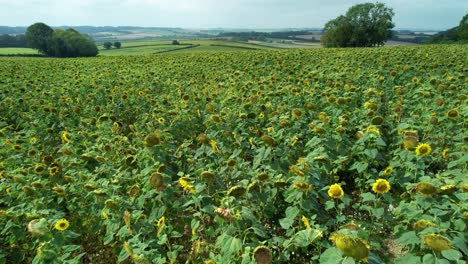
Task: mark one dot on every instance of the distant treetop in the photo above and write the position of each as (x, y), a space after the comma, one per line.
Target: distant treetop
(363, 25)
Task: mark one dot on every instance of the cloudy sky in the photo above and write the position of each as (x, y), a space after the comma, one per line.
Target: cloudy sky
(413, 14)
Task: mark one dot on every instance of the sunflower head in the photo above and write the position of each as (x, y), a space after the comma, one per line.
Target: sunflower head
(388, 171)
(351, 246)
(62, 224)
(452, 114)
(448, 189)
(410, 140)
(268, 140)
(38, 227)
(262, 255)
(422, 224)
(381, 186)
(335, 191)
(423, 150)
(426, 188)
(236, 191)
(302, 186)
(445, 153)
(373, 130)
(436, 242)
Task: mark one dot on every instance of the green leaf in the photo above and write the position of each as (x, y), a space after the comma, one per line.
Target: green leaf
(229, 245)
(429, 259)
(291, 213)
(368, 197)
(306, 237)
(331, 256)
(451, 254)
(409, 238)
(371, 153)
(460, 243)
(348, 260)
(408, 258)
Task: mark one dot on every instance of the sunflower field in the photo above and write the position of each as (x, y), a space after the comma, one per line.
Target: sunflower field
(300, 156)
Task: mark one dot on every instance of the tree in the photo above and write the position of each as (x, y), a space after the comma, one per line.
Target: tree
(175, 42)
(117, 45)
(463, 28)
(70, 43)
(38, 37)
(107, 45)
(363, 25)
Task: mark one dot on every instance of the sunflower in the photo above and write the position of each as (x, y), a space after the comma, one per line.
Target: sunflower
(381, 186)
(335, 191)
(452, 114)
(305, 187)
(353, 247)
(236, 191)
(17, 148)
(423, 149)
(39, 168)
(374, 130)
(161, 221)
(426, 188)
(305, 221)
(185, 185)
(64, 137)
(62, 224)
(262, 255)
(261, 115)
(296, 170)
(161, 120)
(296, 113)
(445, 153)
(422, 224)
(436, 242)
(388, 171)
(54, 170)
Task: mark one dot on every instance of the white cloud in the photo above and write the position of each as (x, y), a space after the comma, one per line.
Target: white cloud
(220, 13)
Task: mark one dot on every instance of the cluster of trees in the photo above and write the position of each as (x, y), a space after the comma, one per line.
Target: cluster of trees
(363, 25)
(59, 42)
(454, 35)
(18, 41)
(108, 45)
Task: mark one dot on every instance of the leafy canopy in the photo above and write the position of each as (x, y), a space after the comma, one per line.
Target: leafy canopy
(60, 43)
(363, 25)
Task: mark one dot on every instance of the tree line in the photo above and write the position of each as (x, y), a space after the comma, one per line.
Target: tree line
(17, 41)
(59, 42)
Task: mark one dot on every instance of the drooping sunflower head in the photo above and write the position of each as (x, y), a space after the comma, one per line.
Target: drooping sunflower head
(388, 171)
(373, 130)
(445, 153)
(335, 191)
(351, 246)
(410, 140)
(436, 242)
(263, 255)
(423, 149)
(302, 186)
(422, 224)
(452, 114)
(381, 186)
(62, 224)
(297, 113)
(426, 188)
(377, 120)
(236, 191)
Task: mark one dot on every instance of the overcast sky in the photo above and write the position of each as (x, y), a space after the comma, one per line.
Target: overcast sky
(413, 14)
